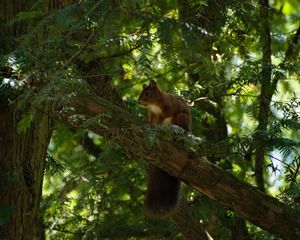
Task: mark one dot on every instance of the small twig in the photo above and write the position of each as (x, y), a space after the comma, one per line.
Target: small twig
(224, 95)
(79, 51)
(279, 160)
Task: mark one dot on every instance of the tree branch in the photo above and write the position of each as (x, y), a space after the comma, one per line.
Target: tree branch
(250, 203)
(266, 93)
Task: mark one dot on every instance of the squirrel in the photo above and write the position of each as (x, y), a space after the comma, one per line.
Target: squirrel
(162, 195)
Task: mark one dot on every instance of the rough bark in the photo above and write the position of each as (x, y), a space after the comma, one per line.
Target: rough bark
(22, 155)
(247, 201)
(22, 161)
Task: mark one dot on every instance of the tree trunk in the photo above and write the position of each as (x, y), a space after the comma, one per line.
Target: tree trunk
(22, 162)
(22, 155)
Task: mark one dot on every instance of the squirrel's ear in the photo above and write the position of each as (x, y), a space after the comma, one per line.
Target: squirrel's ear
(144, 86)
(152, 83)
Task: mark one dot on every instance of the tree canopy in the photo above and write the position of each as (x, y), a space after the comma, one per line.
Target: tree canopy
(74, 144)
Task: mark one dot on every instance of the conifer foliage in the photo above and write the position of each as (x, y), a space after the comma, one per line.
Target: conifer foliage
(74, 144)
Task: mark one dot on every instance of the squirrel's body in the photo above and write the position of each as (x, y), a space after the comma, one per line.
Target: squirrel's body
(163, 108)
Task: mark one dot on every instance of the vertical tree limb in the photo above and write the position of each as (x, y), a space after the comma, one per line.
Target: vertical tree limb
(266, 94)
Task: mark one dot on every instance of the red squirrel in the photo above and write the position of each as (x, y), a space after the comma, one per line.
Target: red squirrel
(162, 196)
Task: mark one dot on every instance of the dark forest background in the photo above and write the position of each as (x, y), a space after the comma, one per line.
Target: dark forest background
(74, 145)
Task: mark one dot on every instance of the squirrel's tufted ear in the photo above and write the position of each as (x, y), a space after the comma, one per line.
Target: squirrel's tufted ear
(144, 86)
(152, 83)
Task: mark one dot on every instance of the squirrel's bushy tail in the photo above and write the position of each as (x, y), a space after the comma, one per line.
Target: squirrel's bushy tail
(162, 195)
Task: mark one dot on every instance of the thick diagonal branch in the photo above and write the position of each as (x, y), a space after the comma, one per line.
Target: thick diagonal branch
(250, 203)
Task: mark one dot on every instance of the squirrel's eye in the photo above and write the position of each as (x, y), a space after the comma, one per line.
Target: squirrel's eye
(147, 93)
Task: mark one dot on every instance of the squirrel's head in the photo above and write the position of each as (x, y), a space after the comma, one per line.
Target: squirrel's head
(150, 94)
